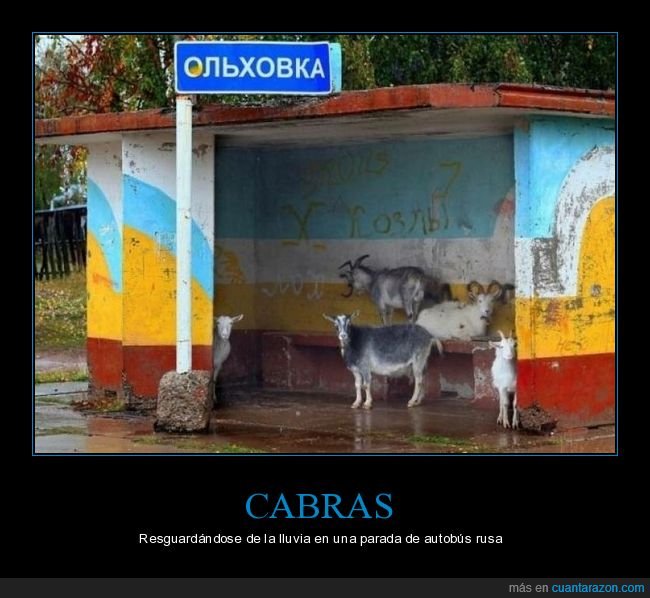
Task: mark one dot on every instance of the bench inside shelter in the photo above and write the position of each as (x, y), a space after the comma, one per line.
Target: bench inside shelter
(309, 360)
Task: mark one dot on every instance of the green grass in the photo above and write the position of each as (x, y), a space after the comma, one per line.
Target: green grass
(53, 400)
(447, 444)
(72, 430)
(196, 445)
(76, 375)
(434, 439)
(60, 312)
(102, 404)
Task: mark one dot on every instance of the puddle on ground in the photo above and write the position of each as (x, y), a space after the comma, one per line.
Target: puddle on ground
(279, 422)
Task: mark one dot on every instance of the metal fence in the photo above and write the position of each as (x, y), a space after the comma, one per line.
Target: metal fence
(59, 241)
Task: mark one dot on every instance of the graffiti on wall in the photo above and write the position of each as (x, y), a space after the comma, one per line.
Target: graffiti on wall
(309, 286)
(323, 175)
(362, 222)
(431, 188)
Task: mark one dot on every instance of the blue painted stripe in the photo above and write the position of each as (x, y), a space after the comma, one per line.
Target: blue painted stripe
(152, 212)
(554, 147)
(522, 181)
(410, 189)
(102, 224)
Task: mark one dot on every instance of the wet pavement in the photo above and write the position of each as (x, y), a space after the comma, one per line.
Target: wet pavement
(48, 360)
(253, 421)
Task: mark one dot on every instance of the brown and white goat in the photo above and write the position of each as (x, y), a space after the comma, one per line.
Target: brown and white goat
(453, 319)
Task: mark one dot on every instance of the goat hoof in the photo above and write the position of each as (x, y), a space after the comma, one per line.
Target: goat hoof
(356, 405)
(367, 406)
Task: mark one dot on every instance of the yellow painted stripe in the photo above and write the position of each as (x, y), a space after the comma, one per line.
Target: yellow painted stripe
(150, 295)
(290, 308)
(563, 326)
(104, 303)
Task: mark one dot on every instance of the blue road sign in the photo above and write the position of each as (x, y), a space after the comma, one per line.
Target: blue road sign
(287, 68)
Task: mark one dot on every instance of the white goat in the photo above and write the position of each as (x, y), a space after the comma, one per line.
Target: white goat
(221, 347)
(453, 319)
(504, 378)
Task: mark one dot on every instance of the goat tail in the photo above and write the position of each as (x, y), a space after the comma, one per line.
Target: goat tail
(439, 346)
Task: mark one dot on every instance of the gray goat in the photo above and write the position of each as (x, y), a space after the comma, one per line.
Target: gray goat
(401, 288)
(386, 350)
(221, 347)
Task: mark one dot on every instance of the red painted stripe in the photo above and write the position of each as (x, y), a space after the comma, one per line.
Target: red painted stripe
(577, 388)
(104, 363)
(550, 98)
(145, 366)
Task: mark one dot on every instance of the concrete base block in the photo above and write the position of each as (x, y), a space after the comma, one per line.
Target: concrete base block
(184, 402)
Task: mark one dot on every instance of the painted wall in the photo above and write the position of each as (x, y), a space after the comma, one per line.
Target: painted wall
(104, 267)
(565, 264)
(287, 217)
(273, 224)
(132, 269)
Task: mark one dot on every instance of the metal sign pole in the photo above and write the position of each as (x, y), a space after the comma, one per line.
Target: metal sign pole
(183, 234)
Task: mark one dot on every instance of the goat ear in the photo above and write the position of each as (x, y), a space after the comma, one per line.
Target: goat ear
(474, 289)
(493, 345)
(330, 318)
(354, 314)
(495, 289)
(237, 318)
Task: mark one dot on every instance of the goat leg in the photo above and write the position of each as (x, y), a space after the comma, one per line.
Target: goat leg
(215, 371)
(357, 386)
(416, 399)
(515, 413)
(503, 408)
(368, 403)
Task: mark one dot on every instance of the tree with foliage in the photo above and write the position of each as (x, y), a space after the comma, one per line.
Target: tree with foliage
(111, 73)
(57, 169)
(587, 61)
(108, 73)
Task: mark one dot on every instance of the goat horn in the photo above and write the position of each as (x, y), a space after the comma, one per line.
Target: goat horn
(360, 259)
(348, 263)
(475, 285)
(495, 289)
(501, 335)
